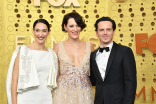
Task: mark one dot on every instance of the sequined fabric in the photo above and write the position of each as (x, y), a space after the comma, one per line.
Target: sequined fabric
(74, 86)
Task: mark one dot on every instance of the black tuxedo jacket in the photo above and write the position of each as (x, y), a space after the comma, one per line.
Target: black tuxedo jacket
(119, 85)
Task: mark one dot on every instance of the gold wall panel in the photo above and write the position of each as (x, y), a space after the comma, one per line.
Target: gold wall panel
(137, 16)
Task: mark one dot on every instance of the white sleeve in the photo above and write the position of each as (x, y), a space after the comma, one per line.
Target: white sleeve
(9, 75)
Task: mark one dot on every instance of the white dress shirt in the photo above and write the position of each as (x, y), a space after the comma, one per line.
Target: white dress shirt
(102, 59)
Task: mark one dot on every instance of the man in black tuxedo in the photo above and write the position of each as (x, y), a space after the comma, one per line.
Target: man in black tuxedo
(113, 68)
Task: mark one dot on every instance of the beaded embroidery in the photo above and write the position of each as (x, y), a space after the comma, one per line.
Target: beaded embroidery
(72, 76)
(74, 86)
(26, 66)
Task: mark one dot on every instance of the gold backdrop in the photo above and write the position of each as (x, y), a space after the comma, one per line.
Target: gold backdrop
(131, 16)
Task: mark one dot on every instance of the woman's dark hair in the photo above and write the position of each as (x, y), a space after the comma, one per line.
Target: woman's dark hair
(42, 21)
(105, 19)
(77, 17)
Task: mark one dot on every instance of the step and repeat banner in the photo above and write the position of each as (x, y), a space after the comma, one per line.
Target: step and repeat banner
(136, 28)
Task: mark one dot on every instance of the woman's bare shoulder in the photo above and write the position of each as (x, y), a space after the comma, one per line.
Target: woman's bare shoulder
(30, 46)
(56, 48)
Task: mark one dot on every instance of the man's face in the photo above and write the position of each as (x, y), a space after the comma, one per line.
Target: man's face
(105, 32)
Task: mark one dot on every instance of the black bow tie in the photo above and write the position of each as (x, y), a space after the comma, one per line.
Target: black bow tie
(105, 48)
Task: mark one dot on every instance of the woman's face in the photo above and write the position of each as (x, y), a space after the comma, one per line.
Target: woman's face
(41, 32)
(72, 28)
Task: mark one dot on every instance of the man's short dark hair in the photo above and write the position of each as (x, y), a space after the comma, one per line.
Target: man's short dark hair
(105, 19)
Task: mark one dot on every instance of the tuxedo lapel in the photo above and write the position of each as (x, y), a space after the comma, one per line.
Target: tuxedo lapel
(95, 64)
(111, 57)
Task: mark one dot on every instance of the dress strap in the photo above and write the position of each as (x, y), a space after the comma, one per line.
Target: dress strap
(60, 50)
(88, 47)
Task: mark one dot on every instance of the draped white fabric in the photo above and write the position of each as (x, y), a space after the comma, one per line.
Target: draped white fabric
(28, 77)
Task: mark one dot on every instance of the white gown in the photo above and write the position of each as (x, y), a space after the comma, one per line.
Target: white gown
(37, 76)
(41, 94)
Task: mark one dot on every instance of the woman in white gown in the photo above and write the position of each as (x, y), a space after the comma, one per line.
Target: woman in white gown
(33, 70)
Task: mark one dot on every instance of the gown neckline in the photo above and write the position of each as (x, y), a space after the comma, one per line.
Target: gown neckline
(70, 59)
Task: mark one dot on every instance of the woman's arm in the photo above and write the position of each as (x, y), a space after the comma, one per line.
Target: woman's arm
(15, 80)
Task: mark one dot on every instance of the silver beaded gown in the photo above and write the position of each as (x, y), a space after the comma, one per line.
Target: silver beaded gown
(74, 86)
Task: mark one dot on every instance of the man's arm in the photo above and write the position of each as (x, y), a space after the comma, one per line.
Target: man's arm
(92, 77)
(130, 81)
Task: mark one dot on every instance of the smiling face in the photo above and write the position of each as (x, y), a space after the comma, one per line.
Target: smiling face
(41, 32)
(73, 29)
(105, 33)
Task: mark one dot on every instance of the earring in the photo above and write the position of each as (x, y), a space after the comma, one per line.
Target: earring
(65, 30)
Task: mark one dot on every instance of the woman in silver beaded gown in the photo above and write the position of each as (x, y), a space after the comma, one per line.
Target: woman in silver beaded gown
(74, 86)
